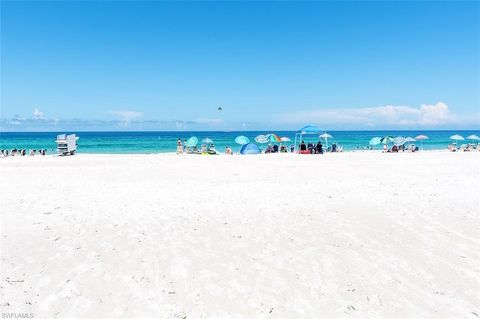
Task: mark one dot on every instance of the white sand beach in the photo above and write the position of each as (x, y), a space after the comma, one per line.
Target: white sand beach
(363, 235)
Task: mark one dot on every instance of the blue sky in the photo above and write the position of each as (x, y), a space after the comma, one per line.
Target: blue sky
(270, 65)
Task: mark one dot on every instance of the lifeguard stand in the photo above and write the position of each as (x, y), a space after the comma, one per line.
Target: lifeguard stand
(66, 144)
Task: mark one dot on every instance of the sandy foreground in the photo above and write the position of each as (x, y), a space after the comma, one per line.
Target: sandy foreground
(365, 235)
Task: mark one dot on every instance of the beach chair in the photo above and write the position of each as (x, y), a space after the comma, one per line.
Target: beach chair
(410, 148)
(211, 150)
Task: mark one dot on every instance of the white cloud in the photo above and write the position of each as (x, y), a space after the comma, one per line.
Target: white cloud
(126, 117)
(435, 114)
(179, 125)
(209, 121)
(391, 115)
(38, 115)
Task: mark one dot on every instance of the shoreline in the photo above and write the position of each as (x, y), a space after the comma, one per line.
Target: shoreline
(236, 154)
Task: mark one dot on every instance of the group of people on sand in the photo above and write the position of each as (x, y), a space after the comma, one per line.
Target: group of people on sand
(312, 148)
(22, 152)
(278, 149)
(400, 148)
(304, 148)
(205, 149)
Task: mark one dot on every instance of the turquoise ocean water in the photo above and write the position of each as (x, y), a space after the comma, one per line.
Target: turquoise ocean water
(160, 142)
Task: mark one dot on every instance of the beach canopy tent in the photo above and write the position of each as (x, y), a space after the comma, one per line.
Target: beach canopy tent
(192, 141)
(207, 141)
(242, 140)
(325, 136)
(375, 141)
(399, 141)
(473, 137)
(249, 148)
(308, 129)
(262, 139)
(421, 138)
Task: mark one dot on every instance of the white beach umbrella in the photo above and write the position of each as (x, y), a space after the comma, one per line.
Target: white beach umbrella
(285, 139)
(473, 137)
(410, 139)
(421, 138)
(262, 139)
(326, 136)
(242, 140)
(457, 137)
(207, 141)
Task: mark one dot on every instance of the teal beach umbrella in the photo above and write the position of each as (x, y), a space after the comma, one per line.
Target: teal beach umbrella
(375, 141)
(192, 141)
(242, 140)
(387, 139)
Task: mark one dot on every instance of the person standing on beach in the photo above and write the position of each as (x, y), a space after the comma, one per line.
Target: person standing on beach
(179, 146)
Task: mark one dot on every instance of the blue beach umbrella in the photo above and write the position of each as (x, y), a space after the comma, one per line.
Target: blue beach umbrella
(192, 141)
(242, 140)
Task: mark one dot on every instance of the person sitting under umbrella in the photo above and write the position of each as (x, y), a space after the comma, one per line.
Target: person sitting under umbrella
(310, 147)
(303, 148)
(319, 148)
